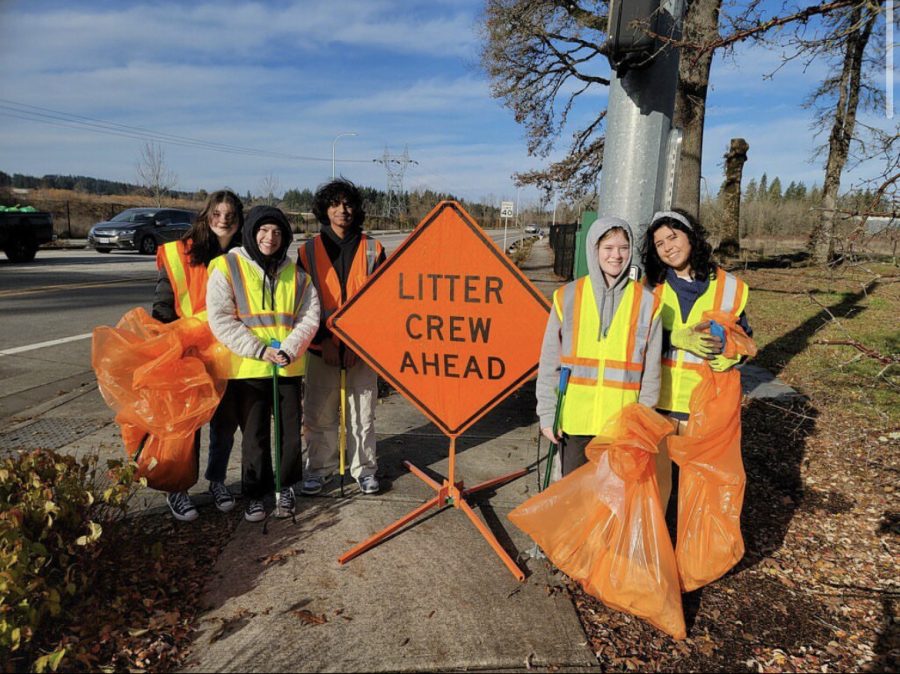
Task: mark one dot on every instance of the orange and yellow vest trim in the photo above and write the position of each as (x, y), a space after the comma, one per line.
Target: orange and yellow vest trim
(268, 324)
(681, 370)
(606, 369)
(188, 281)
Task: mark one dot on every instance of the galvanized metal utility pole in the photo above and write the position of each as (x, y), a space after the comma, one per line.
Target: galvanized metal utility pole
(641, 151)
(395, 167)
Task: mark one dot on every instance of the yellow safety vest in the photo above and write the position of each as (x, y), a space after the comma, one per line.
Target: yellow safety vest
(606, 370)
(681, 369)
(267, 324)
(188, 282)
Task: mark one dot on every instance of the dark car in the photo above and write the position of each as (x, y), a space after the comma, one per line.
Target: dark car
(141, 229)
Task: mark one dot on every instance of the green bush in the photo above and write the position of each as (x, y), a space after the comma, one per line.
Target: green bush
(52, 512)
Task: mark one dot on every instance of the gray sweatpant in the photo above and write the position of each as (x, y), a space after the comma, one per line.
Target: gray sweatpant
(321, 418)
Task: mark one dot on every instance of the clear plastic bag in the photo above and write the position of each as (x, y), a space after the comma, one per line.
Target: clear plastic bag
(604, 527)
(711, 479)
(164, 381)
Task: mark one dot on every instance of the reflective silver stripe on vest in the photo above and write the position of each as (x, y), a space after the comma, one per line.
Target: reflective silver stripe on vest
(299, 289)
(371, 255)
(621, 375)
(729, 295)
(310, 246)
(642, 326)
(268, 321)
(582, 371)
(672, 354)
(237, 282)
(568, 320)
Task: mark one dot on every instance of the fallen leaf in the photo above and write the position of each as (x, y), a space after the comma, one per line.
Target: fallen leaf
(309, 617)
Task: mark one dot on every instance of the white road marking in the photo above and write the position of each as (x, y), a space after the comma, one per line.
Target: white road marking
(41, 345)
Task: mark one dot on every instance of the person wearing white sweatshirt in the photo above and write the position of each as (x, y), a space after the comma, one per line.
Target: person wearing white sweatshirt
(266, 311)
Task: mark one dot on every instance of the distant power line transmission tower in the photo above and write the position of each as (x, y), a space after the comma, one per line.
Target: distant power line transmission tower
(395, 167)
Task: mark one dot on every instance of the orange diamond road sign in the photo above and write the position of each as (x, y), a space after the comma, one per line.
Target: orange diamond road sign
(448, 320)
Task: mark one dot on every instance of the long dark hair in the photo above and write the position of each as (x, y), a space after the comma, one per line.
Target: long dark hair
(204, 244)
(334, 192)
(702, 265)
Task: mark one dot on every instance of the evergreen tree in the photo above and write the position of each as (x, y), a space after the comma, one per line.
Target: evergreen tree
(775, 190)
(815, 194)
(751, 191)
(763, 191)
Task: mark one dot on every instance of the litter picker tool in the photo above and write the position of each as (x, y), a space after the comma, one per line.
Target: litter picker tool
(535, 551)
(564, 373)
(276, 409)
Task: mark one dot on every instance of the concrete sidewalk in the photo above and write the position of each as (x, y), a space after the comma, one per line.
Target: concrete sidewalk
(433, 597)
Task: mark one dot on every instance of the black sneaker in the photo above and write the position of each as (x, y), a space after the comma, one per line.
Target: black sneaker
(255, 512)
(181, 506)
(223, 498)
(285, 506)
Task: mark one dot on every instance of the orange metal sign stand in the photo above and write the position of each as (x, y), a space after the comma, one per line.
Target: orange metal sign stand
(459, 328)
(447, 494)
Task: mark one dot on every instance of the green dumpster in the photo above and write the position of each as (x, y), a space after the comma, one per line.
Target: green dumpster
(587, 219)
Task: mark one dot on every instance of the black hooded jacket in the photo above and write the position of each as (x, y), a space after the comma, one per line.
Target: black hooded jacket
(256, 218)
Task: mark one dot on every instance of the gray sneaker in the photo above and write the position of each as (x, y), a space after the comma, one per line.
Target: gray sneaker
(368, 484)
(223, 498)
(312, 485)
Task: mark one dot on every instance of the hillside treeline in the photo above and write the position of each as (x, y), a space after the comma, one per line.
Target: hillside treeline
(412, 206)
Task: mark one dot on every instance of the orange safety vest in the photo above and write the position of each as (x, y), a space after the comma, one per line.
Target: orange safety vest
(606, 369)
(681, 370)
(313, 257)
(188, 281)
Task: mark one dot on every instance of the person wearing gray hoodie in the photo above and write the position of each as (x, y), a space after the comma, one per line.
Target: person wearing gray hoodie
(255, 297)
(605, 328)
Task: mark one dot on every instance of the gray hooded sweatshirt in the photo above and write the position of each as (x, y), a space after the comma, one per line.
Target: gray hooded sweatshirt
(608, 299)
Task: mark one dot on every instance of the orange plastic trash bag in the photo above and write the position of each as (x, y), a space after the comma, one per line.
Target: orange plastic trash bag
(169, 465)
(711, 480)
(603, 525)
(164, 381)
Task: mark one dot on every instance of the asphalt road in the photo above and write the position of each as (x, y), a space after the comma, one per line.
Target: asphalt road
(49, 307)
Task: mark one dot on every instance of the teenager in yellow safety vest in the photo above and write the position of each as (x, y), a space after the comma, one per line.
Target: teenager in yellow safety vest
(256, 296)
(678, 265)
(181, 292)
(605, 328)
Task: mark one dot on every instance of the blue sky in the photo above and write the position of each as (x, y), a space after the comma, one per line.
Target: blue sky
(286, 77)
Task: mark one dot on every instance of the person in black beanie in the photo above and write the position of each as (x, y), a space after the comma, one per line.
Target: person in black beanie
(266, 311)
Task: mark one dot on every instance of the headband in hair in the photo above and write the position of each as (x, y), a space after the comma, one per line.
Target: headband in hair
(671, 215)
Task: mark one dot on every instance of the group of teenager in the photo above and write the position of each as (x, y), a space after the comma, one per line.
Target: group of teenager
(622, 341)
(234, 270)
(625, 341)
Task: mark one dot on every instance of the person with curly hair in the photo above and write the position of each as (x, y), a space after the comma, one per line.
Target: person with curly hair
(678, 264)
(339, 259)
(181, 292)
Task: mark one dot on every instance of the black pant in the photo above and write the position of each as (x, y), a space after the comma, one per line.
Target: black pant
(254, 401)
(572, 455)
